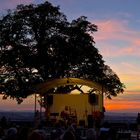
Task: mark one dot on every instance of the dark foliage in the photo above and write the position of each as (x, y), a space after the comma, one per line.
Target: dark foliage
(37, 43)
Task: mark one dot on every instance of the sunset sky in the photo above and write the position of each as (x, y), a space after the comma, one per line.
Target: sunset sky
(117, 39)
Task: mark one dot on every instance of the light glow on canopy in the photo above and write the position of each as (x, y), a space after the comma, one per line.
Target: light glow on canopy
(44, 87)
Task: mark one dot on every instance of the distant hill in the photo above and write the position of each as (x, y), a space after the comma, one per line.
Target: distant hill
(121, 117)
(109, 116)
(18, 115)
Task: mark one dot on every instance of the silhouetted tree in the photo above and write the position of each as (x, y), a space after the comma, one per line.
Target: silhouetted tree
(37, 43)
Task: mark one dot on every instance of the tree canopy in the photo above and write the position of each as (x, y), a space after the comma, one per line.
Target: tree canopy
(38, 43)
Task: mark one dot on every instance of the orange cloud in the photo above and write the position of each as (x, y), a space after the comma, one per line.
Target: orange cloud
(131, 80)
(127, 41)
(109, 50)
(121, 105)
(133, 67)
(131, 50)
(108, 29)
(128, 101)
(137, 42)
(116, 29)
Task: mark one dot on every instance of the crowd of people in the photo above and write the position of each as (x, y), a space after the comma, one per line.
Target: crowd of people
(58, 131)
(12, 131)
(138, 126)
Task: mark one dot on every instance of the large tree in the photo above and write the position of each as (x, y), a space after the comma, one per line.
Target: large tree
(37, 43)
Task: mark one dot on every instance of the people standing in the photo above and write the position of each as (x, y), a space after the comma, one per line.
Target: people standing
(138, 126)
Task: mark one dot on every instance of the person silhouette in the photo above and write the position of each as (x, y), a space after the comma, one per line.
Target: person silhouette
(138, 126)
